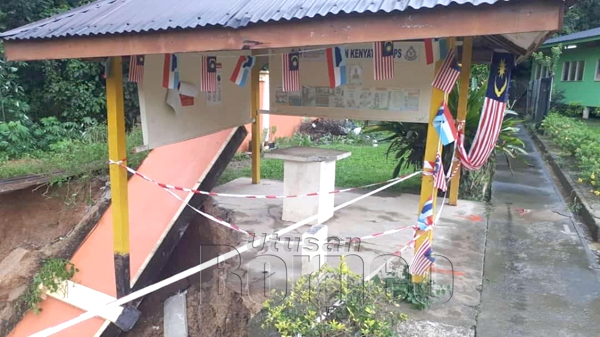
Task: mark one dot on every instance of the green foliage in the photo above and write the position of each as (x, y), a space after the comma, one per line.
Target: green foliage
(583, 15)
(549, 61)
(12, 95)
(297, 139)
(70, 157)
(51, 277)
(364, 308)
(419, 295)
(407, 142)
(579, 141)
(573, 109)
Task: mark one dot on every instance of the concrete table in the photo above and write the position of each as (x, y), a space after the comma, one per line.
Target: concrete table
(307, 170)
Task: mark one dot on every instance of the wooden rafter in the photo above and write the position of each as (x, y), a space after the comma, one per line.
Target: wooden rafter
(453, 20)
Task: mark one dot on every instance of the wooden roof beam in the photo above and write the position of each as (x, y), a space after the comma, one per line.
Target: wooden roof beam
(453, 20)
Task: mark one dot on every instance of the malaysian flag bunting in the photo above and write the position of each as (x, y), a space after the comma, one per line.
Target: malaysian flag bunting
(435, 50)
(439, 177)
(423, 258)
(426, 217)
(448, 74)
(492, 114)
(336, 66)
(136, 68)
(242, 70)
(208, 82)
(291, 71)
(444, 124)
(383, 60)
(428, 167)
(170, 72)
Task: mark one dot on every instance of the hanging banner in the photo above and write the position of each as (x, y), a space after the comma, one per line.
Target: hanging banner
(405, 97)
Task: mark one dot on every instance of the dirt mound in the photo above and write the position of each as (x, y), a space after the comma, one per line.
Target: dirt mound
(40, 223)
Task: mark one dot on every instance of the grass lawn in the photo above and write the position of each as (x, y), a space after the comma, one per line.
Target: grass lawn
(70, 158)
(366, 165)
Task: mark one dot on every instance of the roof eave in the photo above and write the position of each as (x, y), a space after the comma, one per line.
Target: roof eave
(457, 20)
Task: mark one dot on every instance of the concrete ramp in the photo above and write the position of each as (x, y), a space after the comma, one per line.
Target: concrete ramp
(157, 221)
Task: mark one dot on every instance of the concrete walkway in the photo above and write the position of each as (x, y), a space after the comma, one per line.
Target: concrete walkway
(539, 277)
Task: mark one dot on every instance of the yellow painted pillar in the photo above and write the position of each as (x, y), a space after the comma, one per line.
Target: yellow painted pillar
(431, 148)
(118, 177)
(463, 99)
(256, 124)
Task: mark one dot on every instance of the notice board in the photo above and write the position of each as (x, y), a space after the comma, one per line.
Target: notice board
(208, 112)
(405, 98)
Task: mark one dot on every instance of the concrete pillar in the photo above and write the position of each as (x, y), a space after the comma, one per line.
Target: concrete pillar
(313, 252)
(307, 177)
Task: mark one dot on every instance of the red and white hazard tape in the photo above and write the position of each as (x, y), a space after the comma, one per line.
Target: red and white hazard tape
(210, 217)
(235, 252)
(247, 196)
(376, 235)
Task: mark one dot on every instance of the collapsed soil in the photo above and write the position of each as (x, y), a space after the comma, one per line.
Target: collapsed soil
(34, 217)
(213, 309)
(39, 223)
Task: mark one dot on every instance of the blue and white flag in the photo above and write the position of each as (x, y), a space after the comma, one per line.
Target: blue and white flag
(426, 217)
(170, 72)
(444, 124)
(336, 65)
(242, 70)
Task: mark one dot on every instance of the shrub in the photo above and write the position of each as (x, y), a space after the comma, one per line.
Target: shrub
(364, 308)
(579, 141)
(573, 109)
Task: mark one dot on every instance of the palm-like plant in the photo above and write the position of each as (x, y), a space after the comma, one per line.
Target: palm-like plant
(407, 140)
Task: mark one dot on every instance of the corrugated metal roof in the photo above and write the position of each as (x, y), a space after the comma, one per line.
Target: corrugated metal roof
(586, 34)
(135, 16)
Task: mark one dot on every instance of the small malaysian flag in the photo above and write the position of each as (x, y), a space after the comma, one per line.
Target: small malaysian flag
(136, 68)
(383, 60)
(291, 71)
(208, 82)
(448, 74)
(423, 258)
(439, 177)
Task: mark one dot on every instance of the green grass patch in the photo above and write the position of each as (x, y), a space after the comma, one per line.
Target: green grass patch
(366, 165)
(71, 157)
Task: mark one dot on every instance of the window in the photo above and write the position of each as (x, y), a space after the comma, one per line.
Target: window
(573, 71)
(580, 67)
(565, 73)
(597, 78)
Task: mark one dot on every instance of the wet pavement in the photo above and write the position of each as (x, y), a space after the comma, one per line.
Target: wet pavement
(539, 278)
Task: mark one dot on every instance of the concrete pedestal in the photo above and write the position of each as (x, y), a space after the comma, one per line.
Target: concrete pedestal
(308, 170)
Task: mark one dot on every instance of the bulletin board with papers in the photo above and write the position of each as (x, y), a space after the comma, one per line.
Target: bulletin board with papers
(174, 115)
(405, 98)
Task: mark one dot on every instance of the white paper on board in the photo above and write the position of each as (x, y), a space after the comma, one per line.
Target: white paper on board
(174, 101)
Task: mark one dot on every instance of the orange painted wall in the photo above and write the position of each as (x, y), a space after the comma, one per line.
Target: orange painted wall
(151, 213)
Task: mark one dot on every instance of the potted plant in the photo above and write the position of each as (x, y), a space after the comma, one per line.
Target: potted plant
(272, 136)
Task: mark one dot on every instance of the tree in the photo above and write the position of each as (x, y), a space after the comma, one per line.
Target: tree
(584, 15)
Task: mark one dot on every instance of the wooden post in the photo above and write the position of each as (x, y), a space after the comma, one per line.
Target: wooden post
(118, 177)
(256, 123)
(463, 99)
(431, 148)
